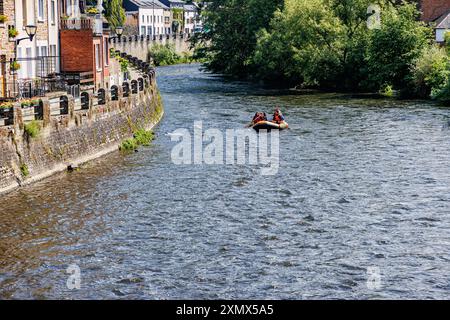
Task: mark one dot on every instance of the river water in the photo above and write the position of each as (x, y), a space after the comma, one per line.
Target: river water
(360, 208)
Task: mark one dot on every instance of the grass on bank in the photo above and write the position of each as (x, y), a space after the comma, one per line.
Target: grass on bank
(24, 170)
(32, 129)
(140, 138)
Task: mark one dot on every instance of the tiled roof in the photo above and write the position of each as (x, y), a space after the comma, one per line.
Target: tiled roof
(149, 4)
(443, 22)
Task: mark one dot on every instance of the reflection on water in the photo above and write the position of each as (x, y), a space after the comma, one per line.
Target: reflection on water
(362, 183)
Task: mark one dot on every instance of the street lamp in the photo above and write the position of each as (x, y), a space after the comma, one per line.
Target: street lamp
(119, 31)
(31, 32)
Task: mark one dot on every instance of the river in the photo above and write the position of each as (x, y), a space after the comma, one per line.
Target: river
(360, 208)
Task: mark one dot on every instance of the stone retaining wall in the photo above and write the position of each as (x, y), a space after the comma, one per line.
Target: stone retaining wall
(74, 138)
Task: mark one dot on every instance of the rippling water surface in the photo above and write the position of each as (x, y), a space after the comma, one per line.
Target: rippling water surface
(362, 184)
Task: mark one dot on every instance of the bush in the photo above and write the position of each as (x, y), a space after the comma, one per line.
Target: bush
(128, 145)
(143, 137)
(163, 55)
(12, 33)
(430, 72)
(32, 129)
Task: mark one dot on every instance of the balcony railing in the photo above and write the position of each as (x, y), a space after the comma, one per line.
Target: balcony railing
(95, 24)
(35, 77)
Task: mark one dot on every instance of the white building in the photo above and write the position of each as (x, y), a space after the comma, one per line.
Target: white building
(151, 16)
(40, 56)
(442, 27)
(190, 18)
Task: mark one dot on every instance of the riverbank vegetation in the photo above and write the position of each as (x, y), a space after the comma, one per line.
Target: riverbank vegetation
(140, 138)
(165, 55)
(326, 44)
(32, 129)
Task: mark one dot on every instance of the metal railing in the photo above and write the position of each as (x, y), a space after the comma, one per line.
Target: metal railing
(30, 77)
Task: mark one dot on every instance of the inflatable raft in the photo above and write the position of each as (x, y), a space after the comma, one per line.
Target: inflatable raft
(267, 125)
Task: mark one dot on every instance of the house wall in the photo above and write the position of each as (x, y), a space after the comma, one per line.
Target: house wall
(6, 47)
(440, 34)
(131, 25)
(189, 21)
(146, 21)
(27, 48)
(77, 50)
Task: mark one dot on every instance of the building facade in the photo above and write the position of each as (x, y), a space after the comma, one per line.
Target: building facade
(151, 16)
(7, 12)
(190, 18)
(436, 13)
(84, 47)
(33, 60)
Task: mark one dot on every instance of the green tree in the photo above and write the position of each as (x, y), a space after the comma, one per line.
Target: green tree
(430, 72)
(317, 43)
(114, 12)
(231, 27)
(395, 47)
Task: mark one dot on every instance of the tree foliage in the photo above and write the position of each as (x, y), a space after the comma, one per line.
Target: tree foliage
(114, 12)
(231, 28)
(324, 44)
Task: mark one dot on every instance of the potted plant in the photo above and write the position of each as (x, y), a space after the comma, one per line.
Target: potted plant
(15, 66)
(12, 32)
(3, 18)
(92, 11)
(5, 108)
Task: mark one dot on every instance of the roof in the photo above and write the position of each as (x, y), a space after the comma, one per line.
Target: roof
(190, 7)
(149, 4)
(443, 22)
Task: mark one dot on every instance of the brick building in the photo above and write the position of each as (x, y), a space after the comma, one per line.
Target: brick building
(35, 60)
(7, 11)
(84, 47)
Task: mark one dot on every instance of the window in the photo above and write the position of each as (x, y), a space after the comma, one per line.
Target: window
(149, 30)
(24, 12)
(143, 31)
(143, 18)
(29, 64)
(69, 7)
(54, 60)
(106, 52)
(52, 12)
(41, 10)
(1, 7)
(148, 19)
(97, 57)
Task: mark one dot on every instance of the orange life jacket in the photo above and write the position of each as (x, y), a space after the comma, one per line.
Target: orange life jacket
(277, 118)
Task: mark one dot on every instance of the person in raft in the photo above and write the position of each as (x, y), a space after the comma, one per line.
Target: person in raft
(259, 116)
(278, 116)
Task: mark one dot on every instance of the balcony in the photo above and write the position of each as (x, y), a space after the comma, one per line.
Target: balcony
(94, 23)
(34, 78)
